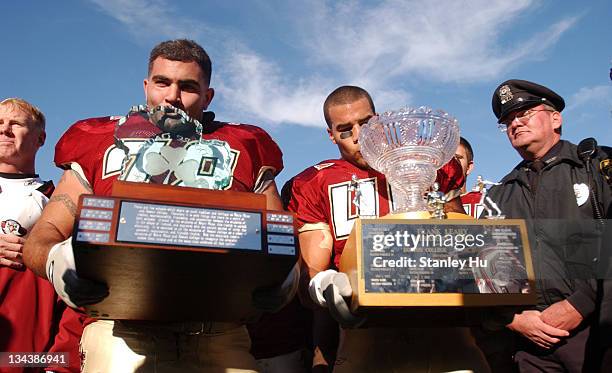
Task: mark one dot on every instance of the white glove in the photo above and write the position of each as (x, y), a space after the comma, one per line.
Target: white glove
(322, 280)
(329, 289)
(61, 272)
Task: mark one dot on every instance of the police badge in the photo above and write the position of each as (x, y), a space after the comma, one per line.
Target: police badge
(505, 94)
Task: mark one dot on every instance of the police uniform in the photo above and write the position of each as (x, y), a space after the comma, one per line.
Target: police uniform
(553, 195)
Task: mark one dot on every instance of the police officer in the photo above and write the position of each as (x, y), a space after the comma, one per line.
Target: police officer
(552, 182)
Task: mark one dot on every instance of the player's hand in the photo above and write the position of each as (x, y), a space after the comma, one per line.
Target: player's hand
(315, 288)
(61, 272)
(273, 298)
(562, 315)
(11, 248)
(530, 325)
(329, 289)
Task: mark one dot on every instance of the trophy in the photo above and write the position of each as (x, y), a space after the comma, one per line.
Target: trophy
(408, 146)
(419, 257)
(169, 242)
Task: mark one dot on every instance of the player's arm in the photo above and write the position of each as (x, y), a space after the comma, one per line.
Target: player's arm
(326, 287)
(56, 222)
(273, 201)
(48, 251)
(315, 255)
(274, 298)
(266, 185)
(315, 248)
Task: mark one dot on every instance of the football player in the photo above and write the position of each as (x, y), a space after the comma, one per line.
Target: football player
(471, 200)
(465, 156)
(177, 91)
(327, 199)
(30, 311)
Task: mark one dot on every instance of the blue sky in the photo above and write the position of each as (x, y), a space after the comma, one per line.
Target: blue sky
(275, 61)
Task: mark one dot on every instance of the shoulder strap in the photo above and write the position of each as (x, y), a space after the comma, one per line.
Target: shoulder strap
(587, 150)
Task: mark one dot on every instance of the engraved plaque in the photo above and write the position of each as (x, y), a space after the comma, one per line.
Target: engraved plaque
(438, 263)
(181, 254)
(428, 257)
(189, 226)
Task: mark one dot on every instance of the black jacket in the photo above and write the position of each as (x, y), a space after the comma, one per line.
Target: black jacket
(564, 237)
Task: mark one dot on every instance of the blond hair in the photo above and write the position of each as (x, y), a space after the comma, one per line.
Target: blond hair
(35, 114)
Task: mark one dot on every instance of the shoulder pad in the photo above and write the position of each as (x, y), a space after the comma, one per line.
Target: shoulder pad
(322, 166)
(94, 125)
(81, 138)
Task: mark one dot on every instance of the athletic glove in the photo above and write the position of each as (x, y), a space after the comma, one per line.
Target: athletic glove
(329, 289)
(61, 272)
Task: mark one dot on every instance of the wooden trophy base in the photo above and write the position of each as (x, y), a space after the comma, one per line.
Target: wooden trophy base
(181, 254)
(397, 275)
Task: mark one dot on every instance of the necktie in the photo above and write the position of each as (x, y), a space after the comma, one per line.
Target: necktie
(534, 173)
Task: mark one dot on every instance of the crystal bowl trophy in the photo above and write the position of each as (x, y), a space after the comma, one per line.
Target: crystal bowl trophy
(170, 243)
(419, 259)
(408, 146)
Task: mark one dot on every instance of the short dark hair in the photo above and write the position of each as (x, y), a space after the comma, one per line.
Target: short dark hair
(468, 149)
(183, 50)
(345, 95)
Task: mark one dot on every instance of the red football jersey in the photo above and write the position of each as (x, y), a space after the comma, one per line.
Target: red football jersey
(89, 146)
(239, 152)
(471, 203)
(334, 193)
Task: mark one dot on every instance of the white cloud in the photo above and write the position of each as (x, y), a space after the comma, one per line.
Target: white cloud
(601, 94)
(251, 85)
(149, 19)
(379, 47)
(447, 40)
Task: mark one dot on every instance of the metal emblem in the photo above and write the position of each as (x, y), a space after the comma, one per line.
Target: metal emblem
(355, 187)
(505, 94)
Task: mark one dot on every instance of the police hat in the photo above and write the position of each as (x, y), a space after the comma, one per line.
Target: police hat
(517, 94)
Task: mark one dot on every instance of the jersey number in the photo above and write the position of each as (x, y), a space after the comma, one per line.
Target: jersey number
(350, 200)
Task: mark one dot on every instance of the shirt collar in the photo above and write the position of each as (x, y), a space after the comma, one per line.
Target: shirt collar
(562, 151)
(9, 175)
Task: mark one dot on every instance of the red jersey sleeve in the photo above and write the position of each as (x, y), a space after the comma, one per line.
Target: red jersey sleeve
(306, 198)
(263, 151)
(85, 143)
